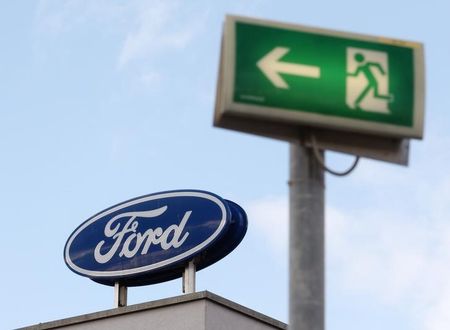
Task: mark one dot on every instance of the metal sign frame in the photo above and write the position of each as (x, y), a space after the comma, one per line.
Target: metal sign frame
(382, 141)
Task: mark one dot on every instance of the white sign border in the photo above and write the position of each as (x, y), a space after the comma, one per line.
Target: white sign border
(142, 269)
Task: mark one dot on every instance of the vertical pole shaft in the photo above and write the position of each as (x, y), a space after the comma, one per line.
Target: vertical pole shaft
(120, 295)
(306, 241)
(189, 278)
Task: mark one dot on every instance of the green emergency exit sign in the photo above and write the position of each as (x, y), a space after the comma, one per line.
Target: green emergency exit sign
(319, 78)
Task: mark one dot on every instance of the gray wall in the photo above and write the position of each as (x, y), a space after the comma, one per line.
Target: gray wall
(196, 311)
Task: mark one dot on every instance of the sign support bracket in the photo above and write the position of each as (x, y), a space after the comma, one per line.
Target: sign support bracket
(189, 277)
(120, 295)
(306, 240)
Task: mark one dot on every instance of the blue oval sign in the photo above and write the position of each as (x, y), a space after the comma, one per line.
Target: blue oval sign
(149, 239)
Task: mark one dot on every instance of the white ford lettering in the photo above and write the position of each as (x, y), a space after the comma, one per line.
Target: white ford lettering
(133, 240)
(149, 239)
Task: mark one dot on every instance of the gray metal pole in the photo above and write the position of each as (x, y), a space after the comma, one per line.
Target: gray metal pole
(306, 241)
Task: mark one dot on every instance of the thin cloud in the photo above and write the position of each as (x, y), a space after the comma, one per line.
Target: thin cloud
(270, 218)
(159, 26)
(391, 256)
(55, 17)
(397, 262)
(147, 27)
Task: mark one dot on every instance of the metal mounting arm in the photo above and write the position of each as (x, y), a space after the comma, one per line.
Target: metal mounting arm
(120, 295)
(189, 278)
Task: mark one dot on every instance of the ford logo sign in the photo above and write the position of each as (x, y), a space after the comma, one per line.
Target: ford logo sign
(150, 239)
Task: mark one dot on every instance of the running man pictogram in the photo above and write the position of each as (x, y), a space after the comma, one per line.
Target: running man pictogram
(372, 83)
(367, 80)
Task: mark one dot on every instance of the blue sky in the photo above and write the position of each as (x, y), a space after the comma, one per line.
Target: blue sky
(108, 100)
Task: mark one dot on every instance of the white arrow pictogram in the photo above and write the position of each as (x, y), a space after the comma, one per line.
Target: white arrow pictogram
(271, 66)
